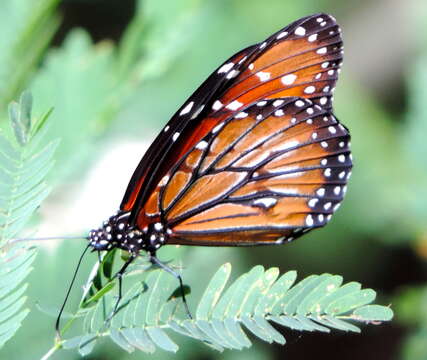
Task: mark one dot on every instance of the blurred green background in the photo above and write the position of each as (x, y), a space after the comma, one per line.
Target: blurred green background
(116, 71)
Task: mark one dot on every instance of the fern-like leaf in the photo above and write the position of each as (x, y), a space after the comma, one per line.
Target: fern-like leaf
(225, 316)
(23, 167)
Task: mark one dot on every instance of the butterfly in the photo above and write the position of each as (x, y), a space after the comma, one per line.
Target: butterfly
(254, 157)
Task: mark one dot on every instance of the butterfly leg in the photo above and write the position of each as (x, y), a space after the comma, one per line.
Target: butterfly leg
(119, 275)
(154, 260)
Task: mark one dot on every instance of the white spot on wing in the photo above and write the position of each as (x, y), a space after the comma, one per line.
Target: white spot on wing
(202, 145)
(282, 35)
(300, 31)
(312, 38)
(309, 220)
(322, 51)
(175, 136)
(266, 202)
(187, 109)
(263, 76)
(288, 79)
(234, 105)
(241, 115)
(309, 89)
(232, 74)
(277, 103)
(217, 105)
(225, 68)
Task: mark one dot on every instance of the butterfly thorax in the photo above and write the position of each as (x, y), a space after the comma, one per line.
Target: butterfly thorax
(117, 232)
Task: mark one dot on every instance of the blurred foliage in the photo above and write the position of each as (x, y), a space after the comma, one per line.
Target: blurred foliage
(24, 164)
(113, 91)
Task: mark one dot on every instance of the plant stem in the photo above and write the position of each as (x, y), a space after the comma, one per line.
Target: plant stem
(51, 351)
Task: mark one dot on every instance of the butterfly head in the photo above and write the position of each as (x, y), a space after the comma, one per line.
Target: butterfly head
(116, 232)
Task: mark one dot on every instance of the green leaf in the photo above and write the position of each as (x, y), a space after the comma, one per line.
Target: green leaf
(253, 302)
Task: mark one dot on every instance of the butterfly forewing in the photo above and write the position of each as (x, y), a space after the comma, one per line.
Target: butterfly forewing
(300, 60)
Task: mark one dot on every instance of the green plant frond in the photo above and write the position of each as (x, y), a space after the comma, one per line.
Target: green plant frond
(23, 168)
(255, 303)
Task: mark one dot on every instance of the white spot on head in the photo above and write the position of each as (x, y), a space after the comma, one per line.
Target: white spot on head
(312, 38)
(158, 226)
(278, 102)
(309, 89)
(175, 136)
(153, 237)
(279, 112)
(288, 79)
(187, 109)
(225, 68)
(263, 76)
(309, 220)
(300, 31)
(282, 35)
(299, 103)
(322, 51)
(327, 172)
(202, 145)
(241, 115)
(217, 105)
(337, 190)
(323, 100)
(234, 105)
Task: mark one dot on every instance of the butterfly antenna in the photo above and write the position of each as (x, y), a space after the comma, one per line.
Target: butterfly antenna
(47, 238)
(58, 319)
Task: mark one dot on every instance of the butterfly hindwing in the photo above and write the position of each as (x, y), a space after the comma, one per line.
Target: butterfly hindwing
(271, 171)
